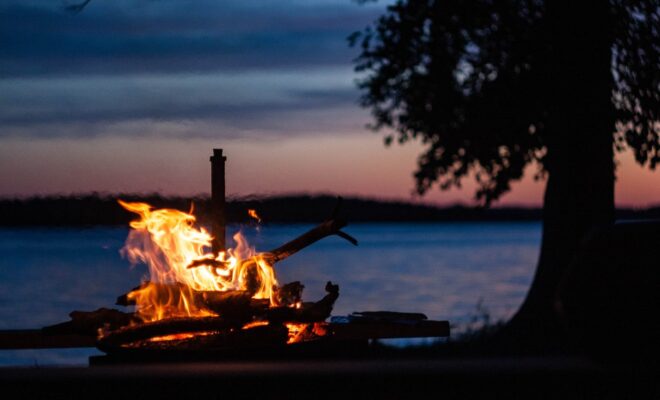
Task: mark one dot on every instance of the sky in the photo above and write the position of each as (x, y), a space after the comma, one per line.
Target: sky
(133, 95)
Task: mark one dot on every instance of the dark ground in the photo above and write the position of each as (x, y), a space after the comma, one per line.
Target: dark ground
(492, 378)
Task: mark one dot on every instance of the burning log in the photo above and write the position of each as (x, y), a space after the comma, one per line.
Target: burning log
(203, 343)
(309, 312)
(238, 309)
(289, 294)
(233, 304)
(89, 322)
(164, 327)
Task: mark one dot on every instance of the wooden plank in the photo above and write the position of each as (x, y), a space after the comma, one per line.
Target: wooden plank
(388, 330)
(36, 339)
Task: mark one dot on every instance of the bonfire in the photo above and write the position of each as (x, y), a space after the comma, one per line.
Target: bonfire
(197, 301)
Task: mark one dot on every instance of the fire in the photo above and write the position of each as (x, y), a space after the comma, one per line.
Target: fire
(178, 336)
(302, 332)
(253, 213)
(168, 242)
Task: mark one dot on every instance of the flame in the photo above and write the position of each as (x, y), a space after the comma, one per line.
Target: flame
(255, 324)
(253, 213)
(303, 332)
(168, 242)
(178, 336)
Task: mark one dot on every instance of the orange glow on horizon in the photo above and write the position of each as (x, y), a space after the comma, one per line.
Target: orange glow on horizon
(348, 165)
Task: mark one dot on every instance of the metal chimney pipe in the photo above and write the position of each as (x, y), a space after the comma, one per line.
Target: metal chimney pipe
(218, 220)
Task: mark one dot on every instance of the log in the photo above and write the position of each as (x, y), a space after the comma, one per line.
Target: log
(165, 327)
(327, 228)
(18, 339)
(289, 294)
(231, 304)
(241, 342)
(88, 323)
(308, 313)
(387, 330)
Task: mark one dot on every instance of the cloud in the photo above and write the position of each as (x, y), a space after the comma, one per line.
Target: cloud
(255, 100)
(272, 68)
(137, 36)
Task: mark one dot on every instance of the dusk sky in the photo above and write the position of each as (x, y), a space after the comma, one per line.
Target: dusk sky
(132, 95)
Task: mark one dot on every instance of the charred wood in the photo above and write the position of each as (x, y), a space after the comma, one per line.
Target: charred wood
(89, 322)
(165, 327)
(289, 294)
(232, 304)
(309, 312)
(241, 342)
(236, 304)
(325, 229)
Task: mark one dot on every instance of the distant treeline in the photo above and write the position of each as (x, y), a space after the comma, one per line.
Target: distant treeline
(90, 210)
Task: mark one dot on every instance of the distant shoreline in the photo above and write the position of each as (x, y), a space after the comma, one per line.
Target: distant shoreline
(103, 210)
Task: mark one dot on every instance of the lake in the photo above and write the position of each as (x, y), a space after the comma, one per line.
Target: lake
(443, 270)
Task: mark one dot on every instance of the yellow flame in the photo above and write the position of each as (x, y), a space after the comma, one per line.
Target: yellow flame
(253, 213)
(168, 243)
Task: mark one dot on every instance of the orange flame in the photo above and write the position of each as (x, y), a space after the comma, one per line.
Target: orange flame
(253, 213)
(168, 243)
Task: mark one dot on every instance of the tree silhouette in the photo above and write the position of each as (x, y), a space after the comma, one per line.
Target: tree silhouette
(492, 86)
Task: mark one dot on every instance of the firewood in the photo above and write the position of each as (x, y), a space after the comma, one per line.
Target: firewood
(235, 304)
(289, 294)
(164, 327)
(89, 322)
(207, 261)
(235, 341)
(329, 227)
(325, 229)
(309, 312)
(221, 301)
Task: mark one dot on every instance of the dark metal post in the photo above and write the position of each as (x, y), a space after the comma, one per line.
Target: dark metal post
(218, 200)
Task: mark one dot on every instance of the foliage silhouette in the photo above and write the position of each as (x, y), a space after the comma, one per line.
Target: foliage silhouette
(467, 78)
(492, 86)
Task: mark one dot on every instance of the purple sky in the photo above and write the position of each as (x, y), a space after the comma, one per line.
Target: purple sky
(132, 95)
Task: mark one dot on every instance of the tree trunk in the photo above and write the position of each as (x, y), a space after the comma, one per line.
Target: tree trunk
(579, 132)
